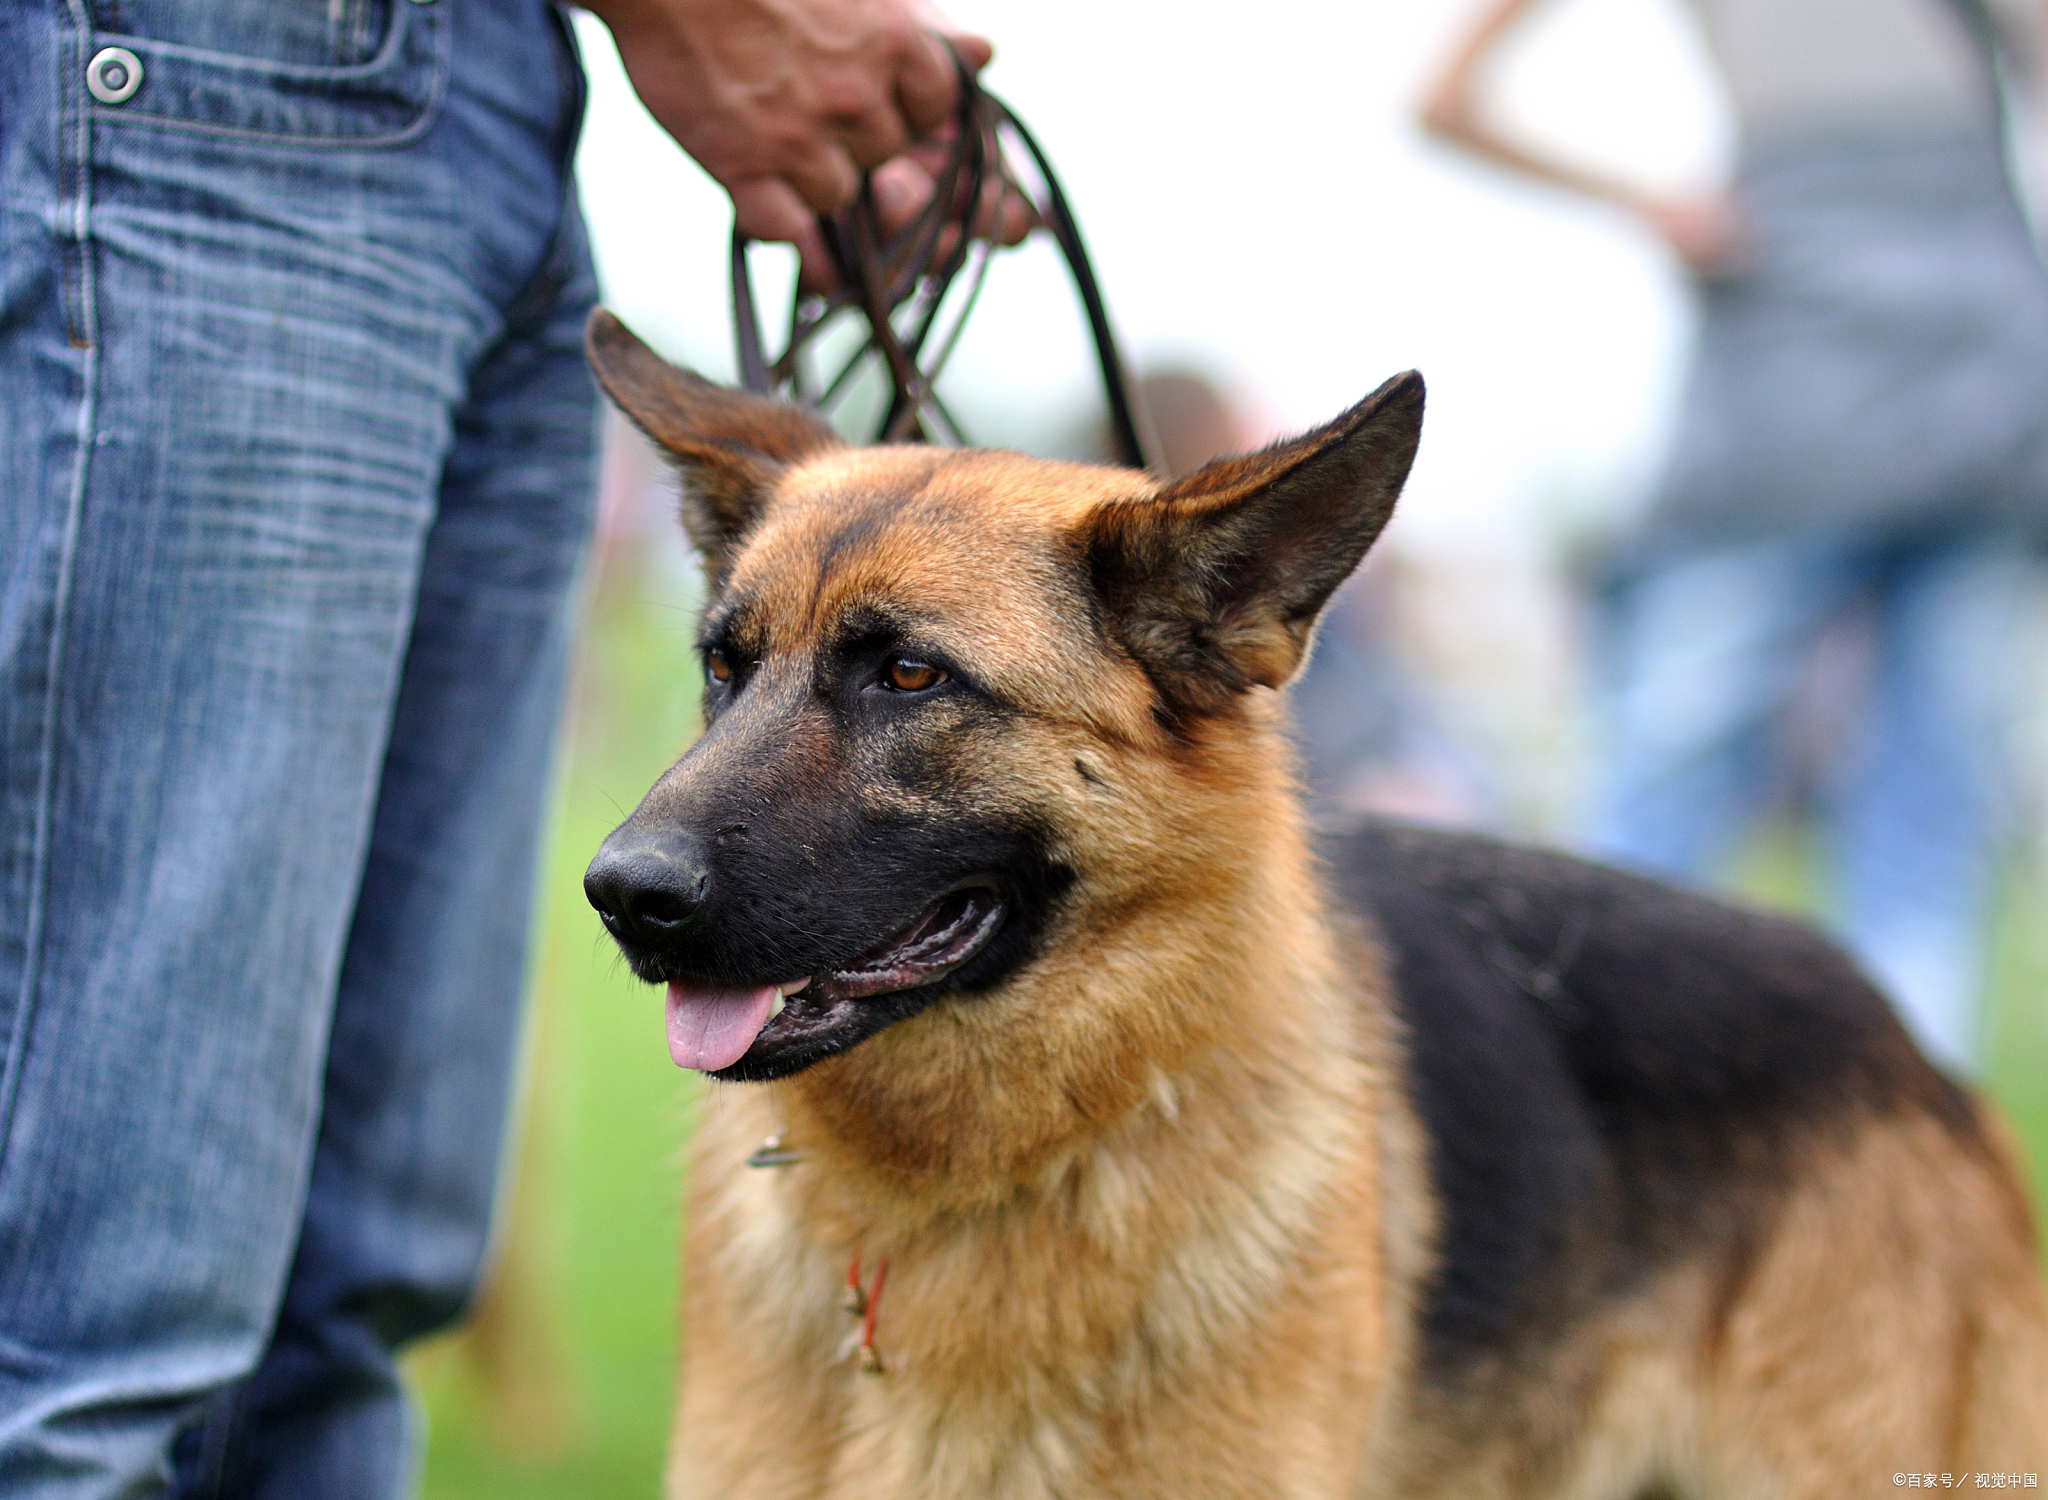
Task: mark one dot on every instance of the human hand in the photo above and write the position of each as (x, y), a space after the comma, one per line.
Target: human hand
(787, 102)
(1710, 232)
(904, 186)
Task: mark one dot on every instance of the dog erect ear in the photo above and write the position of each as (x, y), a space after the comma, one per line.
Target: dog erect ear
(1215, 584)
(727, 445)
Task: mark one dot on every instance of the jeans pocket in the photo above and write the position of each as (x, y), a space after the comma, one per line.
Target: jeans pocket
(262, 91)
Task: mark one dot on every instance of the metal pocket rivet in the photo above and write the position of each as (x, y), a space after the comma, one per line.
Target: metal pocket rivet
(113, 75)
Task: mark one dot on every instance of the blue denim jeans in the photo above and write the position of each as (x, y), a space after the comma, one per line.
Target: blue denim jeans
(298, 449)
(1705, 652)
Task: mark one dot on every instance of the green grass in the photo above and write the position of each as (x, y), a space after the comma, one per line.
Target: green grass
(561, 1388)
(2018, 1052)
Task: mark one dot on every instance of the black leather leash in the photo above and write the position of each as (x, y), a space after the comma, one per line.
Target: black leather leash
(899, 286)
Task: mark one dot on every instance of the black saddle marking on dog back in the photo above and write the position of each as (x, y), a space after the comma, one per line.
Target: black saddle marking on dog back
(1612, 1073)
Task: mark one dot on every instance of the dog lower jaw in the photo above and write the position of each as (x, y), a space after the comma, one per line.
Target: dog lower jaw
(826, 1014)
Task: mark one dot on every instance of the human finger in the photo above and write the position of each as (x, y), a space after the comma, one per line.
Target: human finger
(768, 208)
(875, 137)
(901, 188)
(975, 51)
(825, 177)
(817, 272)
(928, 82)
(1005, 215)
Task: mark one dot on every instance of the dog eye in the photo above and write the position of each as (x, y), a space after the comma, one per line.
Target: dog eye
(718, 665)
(908, 675)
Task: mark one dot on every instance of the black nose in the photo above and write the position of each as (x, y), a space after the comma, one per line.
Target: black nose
(647, 888)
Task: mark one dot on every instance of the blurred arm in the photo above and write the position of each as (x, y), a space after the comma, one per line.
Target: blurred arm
(1705, 230)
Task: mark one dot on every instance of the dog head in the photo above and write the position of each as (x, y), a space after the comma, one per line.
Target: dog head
(968, 717)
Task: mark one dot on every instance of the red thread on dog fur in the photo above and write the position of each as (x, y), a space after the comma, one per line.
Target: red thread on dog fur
(865, 1305)
(870, 1359)
(853, 1299)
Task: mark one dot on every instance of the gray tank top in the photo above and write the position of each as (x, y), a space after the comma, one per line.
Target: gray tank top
(1801, 68)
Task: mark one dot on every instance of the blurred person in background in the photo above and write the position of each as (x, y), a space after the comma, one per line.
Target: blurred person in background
(298, 444)
(1865, 428)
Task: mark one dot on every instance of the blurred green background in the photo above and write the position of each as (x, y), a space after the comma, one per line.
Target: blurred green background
(561, 1385)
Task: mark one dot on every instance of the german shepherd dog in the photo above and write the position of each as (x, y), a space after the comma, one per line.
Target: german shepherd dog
(1164, 1152)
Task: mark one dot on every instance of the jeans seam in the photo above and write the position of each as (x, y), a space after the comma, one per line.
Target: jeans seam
(72, 165)
(87, 341)
(280, 138)
(429, 112)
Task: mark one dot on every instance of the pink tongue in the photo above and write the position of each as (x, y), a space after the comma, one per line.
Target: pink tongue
(711, 1028)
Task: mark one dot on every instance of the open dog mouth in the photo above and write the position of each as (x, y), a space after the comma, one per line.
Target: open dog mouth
(712, 1027)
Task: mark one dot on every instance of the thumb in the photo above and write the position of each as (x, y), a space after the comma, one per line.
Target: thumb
(975, 51)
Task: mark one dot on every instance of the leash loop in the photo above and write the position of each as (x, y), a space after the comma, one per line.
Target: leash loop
(894, 289)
